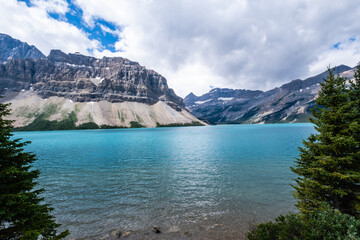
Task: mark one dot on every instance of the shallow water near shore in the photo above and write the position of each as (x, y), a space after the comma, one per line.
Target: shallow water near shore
(208, 182)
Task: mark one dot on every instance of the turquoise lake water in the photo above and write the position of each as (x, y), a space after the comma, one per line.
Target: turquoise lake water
(208, 182)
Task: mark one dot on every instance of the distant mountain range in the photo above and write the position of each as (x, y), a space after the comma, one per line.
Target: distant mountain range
(62, 89)
(289, 103)
(73, 90)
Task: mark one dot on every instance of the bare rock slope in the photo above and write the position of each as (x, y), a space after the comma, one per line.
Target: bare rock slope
(11, 48)
(107, 91)
(289, 103)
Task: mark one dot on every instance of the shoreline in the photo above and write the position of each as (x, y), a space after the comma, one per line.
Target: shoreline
(94, 126)
(194, 124)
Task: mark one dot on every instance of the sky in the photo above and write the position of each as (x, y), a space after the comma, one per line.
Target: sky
(197, 45)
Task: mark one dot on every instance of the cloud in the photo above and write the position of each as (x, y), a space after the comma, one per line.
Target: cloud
(252, 44)
(106, 29)
(232, 43)
(345, 52)
(53, 6)
(35, 26)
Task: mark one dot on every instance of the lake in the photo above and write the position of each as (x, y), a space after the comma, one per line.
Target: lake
(208, 182)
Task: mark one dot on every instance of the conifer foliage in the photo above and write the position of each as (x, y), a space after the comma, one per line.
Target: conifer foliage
(328, 167)
(22, 213)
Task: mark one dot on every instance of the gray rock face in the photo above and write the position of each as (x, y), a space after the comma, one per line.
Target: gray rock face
(11, 48)
(87, 79)
(289, 103)
(220, 95)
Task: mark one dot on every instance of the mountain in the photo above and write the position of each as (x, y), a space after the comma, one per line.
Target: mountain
(11, 48)
(289, 103)
(220, 95)
(73, 90)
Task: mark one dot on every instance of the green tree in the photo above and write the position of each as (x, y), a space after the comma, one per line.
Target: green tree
(22, 213)
(354, 132)
(329, 163)
(326, 224)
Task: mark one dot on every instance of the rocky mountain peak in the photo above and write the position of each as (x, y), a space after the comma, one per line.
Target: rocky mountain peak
(83, 78)
(78, 90)
(289, 103)
(11, 48)
(71, 58)
(56, 55)
(191, 96)
(311, 81)
(218, 96)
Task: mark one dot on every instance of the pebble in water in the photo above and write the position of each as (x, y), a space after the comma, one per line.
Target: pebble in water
(156, 230)
(117, 233)
(174, 229)
(127, 233)
(103, 238)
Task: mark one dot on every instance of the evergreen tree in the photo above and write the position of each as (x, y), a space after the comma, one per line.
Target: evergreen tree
(329, 162)
(22, 214)
(354, 132)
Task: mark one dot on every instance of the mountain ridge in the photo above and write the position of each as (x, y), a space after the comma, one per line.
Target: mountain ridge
(291, 102)
(14, 49)
(107, 91)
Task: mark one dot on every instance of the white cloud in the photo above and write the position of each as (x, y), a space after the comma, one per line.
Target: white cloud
(54, 6)
(106, 29)
(244, 44)
(253, 44)
(348, 53)
(34, 26)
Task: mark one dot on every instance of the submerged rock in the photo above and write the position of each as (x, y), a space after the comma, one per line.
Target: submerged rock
(117, 233)
(105, 237)
(218, 225)
(174, 229)
(156, 230)
(127, 233)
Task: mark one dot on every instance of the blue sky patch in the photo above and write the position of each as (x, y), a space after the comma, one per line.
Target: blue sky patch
(28, 2)
(107, 33)
(337, 45)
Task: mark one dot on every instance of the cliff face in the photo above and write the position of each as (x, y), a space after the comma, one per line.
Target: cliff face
(111, 91)
(289, 103)
(219, 96)
(82, 79)
(14, 49)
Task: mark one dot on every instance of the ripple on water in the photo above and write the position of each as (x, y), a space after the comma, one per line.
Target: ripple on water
(211, 182)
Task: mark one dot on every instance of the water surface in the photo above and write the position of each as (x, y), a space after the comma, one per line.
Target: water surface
(196, 182)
